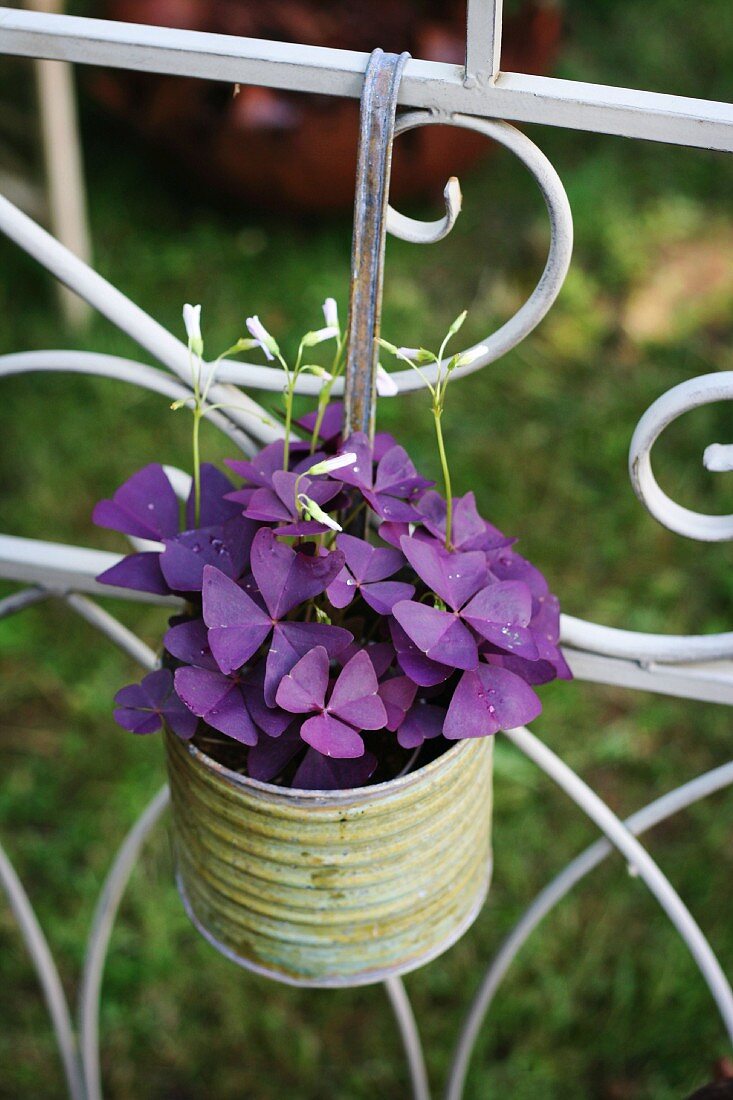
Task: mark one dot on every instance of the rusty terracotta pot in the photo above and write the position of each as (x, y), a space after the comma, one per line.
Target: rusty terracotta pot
(294, 151)
(333, 888)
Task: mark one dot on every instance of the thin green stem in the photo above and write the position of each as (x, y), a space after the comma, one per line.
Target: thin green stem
(324, 397)
(288, 421)
(437, 414)
(197, 403)
(196, 466)
(323, 400)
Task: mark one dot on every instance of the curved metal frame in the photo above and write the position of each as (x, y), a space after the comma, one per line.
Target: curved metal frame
(699, 667)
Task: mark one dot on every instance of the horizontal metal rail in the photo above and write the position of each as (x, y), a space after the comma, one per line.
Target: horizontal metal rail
(439, 87)
(61, 568)
(635, 662)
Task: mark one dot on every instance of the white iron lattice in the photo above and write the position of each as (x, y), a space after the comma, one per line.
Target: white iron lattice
(475, 96)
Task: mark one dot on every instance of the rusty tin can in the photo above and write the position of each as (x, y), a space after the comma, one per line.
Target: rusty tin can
(333, 888)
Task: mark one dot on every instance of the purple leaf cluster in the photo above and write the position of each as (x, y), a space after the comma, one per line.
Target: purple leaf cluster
(325, 660)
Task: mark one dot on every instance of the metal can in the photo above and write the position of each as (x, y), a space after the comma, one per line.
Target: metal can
(333, 888)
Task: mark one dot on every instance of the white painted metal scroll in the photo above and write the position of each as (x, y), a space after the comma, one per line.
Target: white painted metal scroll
(478, 96)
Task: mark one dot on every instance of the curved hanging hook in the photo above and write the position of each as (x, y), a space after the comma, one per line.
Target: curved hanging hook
(418, 232)
(527, 317)
(374, 163)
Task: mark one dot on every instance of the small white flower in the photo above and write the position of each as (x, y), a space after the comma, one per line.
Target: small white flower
(386, 385)
(192, 321)
(471, 355)
(331, 313)
(718, 458)
(330, 332)
(312, 511)
(330, 464)
(262, 336)
(408, 353)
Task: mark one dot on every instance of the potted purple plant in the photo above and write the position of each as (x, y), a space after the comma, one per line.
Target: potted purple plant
(350, 639)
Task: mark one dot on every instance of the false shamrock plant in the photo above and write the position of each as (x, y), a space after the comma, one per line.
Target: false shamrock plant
(303, 654)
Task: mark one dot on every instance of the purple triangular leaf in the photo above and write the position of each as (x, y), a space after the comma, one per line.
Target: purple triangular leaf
(321, 773)
(440, 635)
(383, 595)
(398, 695)
(423, 722)
(397, 476)
(270, 755)
(487, 700)
(455, 577)
(218, 700)
(291, 641)
(421, 670)
(303, 690)
(140, 572)
(237, 626)
(286, 577)
(145, 506)
(331, 737)
(507, 565)
(355, 697)
(189, 642)
(500, 613)
(226, 547)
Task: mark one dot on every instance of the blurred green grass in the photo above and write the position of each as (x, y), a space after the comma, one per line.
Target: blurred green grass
(604, 1002)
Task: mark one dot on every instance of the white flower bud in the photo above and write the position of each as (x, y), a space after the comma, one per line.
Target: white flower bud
(312, 338)
(329, 464)
(471, 355)
(263, 337)
(312, 511)
(331, 313)
(320, 372)
(192, 321)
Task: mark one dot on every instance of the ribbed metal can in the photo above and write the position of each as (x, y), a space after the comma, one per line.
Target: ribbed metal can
(333, 888)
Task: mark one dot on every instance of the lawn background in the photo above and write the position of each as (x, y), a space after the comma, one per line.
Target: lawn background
(604, 1002)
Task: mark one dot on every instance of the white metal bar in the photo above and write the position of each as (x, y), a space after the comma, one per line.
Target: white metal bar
(707, 389)
(410, 1036)
(629, 847)
(18, 601)
(47, 972)
(634, 645)
(122, 312)
(73, 569)
(708, 683)
(122, 370)
(483, 41)
(434, 85)
(99, 936)
(646, 818)
(66, 569)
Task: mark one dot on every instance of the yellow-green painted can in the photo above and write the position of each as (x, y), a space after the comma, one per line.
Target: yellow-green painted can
(333, 888)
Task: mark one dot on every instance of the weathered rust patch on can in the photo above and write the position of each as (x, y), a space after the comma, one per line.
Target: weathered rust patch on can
(333, 888)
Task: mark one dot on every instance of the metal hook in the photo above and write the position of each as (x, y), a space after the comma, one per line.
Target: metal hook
(378, 107)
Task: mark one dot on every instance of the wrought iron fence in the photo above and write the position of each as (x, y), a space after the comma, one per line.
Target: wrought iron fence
(481, 97)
